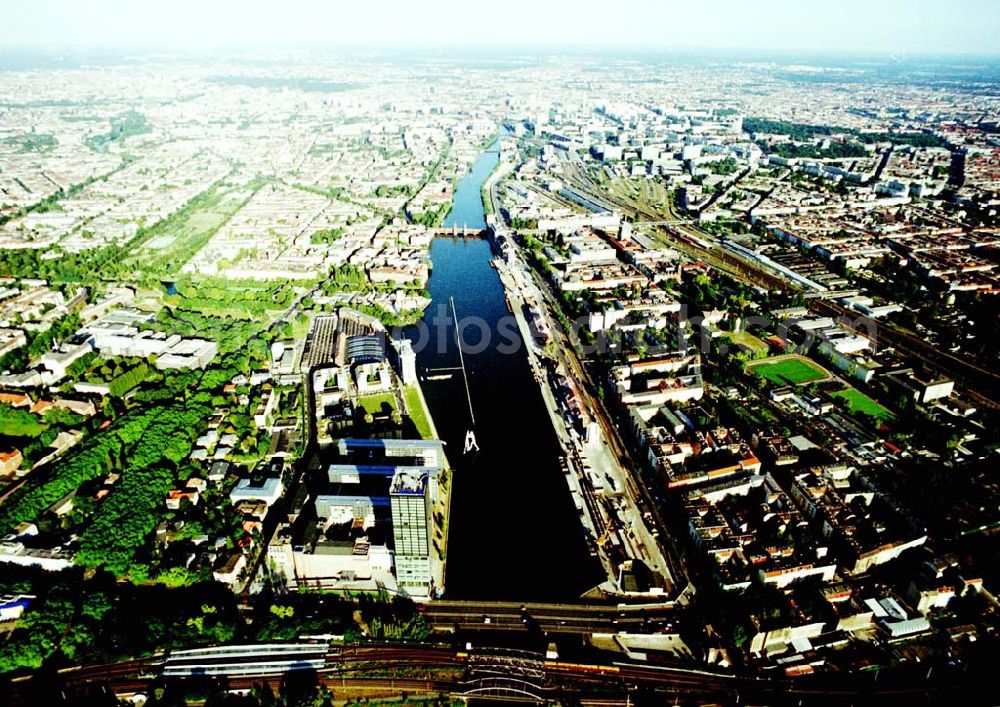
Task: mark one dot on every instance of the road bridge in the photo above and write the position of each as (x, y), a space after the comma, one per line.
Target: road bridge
(549, 618)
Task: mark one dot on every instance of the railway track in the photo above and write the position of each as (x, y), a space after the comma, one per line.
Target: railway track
(596, 684)
(981, 384)
(676, 237)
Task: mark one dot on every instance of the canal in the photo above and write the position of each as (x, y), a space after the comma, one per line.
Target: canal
(515, 533)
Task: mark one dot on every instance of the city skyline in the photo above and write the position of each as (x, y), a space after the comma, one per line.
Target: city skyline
(379, 351)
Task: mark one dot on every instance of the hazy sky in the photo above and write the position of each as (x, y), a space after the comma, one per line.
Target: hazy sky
(896, 27)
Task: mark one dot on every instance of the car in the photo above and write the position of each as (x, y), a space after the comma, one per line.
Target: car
(487, 620)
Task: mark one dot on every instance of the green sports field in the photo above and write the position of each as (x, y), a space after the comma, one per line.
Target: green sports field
(859, 402)
(790, 371)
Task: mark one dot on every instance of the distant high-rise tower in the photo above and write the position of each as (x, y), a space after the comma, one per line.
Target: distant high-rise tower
(411, 531)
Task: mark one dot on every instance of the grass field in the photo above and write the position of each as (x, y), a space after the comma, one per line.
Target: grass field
(374, 403)
(859, 402)
(748, 340)
(790, 371)
(415, 409)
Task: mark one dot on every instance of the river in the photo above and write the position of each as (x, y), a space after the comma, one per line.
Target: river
(467, 206)
(515, 533)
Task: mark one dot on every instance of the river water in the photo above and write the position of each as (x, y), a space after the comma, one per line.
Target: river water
(467, 206)
(515, 533)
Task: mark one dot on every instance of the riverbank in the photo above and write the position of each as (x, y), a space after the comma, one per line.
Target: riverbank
(601, 487)
(514, 532)
(420, 414)
(487, 194)
(581, 491)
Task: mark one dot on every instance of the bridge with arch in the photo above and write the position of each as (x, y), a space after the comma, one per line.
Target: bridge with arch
(464, 231)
